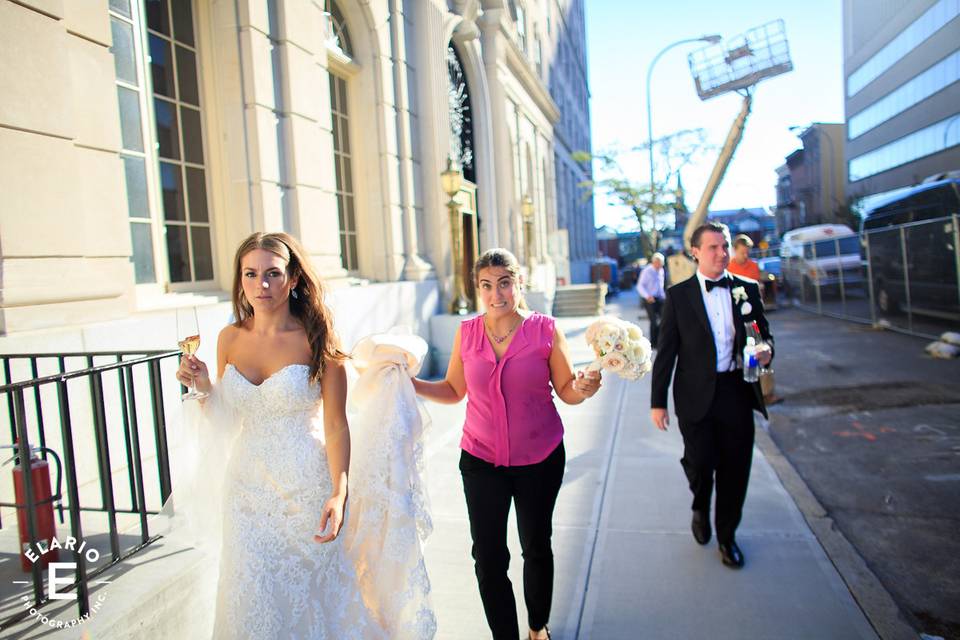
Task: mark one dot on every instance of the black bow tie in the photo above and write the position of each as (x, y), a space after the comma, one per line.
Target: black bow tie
(722, 282)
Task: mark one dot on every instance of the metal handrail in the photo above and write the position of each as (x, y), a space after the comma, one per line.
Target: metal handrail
(130, 421)
(69, 375)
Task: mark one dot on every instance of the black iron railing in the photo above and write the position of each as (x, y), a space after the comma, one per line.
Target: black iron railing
(30, 409)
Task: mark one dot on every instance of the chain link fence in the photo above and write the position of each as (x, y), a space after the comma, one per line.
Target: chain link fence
(903, 277)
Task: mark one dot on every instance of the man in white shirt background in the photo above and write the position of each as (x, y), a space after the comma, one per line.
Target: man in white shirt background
(651, 292)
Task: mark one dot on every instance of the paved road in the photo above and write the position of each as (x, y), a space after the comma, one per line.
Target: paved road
(871, 424)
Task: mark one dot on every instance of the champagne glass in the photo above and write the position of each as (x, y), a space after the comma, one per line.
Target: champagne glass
(188, 327)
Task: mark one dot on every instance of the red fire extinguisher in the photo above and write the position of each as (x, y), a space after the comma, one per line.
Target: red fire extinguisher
(43, 499)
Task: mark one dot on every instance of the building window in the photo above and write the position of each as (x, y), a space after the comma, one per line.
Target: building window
(342, 159)
(538, 56)
(932, 20)
(130, 97)
(914, 91)
(162, 138)
(460, 114)
(339, 41)
(926, 141)
(179, 137)
(339, 37)
(521, 20)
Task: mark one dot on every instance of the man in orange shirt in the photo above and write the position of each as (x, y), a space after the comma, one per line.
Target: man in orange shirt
(740, 262)
(742, 265)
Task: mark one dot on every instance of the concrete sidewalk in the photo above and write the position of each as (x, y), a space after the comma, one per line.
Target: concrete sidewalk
(626, 563)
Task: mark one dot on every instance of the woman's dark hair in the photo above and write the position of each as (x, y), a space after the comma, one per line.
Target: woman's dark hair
(499, 257)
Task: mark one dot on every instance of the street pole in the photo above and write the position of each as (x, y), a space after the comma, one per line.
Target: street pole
(712, 39)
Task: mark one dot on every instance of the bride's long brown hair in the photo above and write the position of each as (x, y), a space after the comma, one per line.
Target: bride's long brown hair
(307, 306)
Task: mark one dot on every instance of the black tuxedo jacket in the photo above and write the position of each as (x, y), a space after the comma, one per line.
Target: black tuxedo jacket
(687, 342)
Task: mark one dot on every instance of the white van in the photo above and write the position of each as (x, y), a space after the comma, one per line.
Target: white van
(820, 255)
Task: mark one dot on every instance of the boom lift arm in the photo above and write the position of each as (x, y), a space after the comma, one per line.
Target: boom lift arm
(680, 266)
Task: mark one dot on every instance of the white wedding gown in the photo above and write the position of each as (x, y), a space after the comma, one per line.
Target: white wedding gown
(264, 505)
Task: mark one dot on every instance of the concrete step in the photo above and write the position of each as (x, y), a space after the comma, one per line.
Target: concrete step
(574, 310)
(580, 300)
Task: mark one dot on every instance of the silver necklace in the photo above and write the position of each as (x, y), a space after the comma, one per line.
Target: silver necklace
(499, 339)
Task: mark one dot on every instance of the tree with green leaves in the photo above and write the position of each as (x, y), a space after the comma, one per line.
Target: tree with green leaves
(651, 204)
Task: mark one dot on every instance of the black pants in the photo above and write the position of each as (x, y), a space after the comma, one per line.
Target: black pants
(654, 310)
(720, 445)
(489, 491)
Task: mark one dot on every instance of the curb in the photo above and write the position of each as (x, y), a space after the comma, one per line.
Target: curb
(874, 600)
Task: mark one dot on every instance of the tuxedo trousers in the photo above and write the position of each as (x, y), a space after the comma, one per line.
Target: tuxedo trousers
(718, 449)
(654, 313)
(533, 490)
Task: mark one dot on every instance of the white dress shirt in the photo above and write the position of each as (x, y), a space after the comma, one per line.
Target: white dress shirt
(650, 283)
(719, 304)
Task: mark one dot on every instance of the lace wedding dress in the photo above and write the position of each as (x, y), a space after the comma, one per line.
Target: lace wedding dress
(262, 508)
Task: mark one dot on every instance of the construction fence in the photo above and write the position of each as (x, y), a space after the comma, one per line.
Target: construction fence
(904, 277)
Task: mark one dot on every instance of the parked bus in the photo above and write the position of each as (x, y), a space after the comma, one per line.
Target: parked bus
(820, 256)
(916, 230)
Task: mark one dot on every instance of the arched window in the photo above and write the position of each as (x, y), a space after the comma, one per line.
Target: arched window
(461, 117)
(342, 148)
(338, 38)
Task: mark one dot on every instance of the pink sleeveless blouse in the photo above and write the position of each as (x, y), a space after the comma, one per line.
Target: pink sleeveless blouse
(511, 418)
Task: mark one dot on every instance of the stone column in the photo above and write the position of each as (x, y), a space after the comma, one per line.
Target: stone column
(506, 200)
(307, 175)
(414, 266)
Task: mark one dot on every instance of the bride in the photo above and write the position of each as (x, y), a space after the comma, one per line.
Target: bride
(288, 565)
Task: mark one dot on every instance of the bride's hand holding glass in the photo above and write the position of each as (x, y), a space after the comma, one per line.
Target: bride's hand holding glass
(193, 373)
(188, 330)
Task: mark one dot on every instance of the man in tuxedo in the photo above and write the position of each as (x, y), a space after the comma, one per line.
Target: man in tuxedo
(703, 333)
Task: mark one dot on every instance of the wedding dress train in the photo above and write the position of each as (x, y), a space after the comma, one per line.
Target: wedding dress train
(254, 492)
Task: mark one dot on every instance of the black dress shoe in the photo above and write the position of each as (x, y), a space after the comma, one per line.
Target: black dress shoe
(700, 525)
(731, 555)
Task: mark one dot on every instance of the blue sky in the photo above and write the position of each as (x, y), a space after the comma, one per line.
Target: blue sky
(623, 36)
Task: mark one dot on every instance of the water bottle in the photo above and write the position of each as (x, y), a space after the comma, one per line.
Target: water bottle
(751, 368)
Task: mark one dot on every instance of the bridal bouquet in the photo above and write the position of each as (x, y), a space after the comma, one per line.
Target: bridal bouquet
(620, 347)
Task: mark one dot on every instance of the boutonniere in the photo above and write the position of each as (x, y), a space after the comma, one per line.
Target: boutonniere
(740, 296)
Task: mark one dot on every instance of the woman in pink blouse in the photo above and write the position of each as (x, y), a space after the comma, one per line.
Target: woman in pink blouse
(508, 362)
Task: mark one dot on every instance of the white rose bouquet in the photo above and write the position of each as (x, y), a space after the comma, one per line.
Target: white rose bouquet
(620, 347)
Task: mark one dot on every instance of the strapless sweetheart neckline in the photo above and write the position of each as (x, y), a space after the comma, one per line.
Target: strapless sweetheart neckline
(267, 379)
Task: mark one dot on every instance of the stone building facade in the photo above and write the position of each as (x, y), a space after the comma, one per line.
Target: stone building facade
(812, 183)
(142, 140)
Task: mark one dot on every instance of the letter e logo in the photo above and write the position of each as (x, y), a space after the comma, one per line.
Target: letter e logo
(53, 581)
